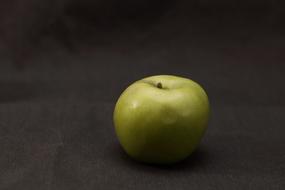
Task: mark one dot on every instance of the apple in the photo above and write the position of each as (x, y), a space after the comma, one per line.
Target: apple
(161, 119)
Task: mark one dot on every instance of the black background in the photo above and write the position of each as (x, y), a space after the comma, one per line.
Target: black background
(64, 64)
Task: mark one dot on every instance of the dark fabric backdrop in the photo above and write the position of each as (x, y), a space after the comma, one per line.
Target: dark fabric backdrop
(64, 64)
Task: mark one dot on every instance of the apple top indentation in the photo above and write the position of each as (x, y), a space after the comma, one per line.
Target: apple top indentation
(159, 85)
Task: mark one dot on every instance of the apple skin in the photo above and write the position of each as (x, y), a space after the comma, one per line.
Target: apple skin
(161, 119)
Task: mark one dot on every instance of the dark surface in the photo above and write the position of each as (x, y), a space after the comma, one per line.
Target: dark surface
(56, 128)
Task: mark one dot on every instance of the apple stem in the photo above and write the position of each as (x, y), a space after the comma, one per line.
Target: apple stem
(159, 85)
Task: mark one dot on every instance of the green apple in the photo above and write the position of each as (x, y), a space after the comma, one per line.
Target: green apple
(161, 119)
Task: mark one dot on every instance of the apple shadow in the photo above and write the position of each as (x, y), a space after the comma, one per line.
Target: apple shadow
(198, 160)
